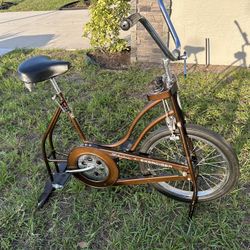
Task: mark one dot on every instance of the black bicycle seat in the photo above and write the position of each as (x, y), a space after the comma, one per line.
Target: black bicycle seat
(41, 68)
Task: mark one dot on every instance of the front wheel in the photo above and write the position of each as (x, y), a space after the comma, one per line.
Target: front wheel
(216, 163)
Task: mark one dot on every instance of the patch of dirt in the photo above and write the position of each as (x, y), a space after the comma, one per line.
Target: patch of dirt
(76, 5)
(106, 60)
(6, 5)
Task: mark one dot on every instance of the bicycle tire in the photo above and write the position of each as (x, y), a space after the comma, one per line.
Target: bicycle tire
(225, 163)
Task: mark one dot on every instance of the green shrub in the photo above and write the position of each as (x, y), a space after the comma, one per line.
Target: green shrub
(103, 27)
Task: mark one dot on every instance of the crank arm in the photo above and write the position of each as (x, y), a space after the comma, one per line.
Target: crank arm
(79, 170)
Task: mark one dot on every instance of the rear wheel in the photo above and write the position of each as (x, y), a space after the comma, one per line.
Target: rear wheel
(216, 163)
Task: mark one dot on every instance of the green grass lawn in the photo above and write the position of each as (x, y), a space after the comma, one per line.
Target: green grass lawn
(38, 5)
(134, 217)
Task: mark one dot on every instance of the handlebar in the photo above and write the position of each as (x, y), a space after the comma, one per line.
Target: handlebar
(169, 24)
(133, 19)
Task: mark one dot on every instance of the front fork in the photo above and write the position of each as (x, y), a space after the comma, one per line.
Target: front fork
(179, 121)
(188, 149)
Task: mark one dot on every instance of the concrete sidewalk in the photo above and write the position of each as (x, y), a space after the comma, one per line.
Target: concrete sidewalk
(44, 29)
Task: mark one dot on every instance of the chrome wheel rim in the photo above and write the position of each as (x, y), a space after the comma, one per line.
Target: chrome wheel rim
(211, 162)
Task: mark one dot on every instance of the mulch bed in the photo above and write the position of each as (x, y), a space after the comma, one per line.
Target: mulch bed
(76, 5)
(6, 5)
(106, 60)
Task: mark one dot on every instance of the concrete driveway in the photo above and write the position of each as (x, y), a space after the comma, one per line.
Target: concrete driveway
(44, 29)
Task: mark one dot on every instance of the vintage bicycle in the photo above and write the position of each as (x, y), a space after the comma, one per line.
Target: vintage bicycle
(186, 162)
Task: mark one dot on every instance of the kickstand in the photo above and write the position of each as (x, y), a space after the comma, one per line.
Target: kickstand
(59, 180)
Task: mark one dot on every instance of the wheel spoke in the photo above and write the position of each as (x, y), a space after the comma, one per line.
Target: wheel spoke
(172, 151)
(200, 187)
(199, 148)
(203, 159)
(205, 181)
(209, 164)
(161, 151)
(168, 148)
(212, 176)
(212, 157)
(183, 186)
(177, 149)
(209, 180)
(216, 162)
(165, 144)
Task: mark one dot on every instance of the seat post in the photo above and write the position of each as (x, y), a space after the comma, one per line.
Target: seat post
(55, 85)
(65, 108)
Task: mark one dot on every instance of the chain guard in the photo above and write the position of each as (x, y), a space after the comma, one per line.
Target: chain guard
(98, 168)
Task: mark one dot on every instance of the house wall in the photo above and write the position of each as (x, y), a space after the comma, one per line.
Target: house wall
(143, 48)
(226, 23)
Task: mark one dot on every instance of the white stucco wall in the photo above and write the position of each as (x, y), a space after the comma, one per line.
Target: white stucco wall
(225, 22)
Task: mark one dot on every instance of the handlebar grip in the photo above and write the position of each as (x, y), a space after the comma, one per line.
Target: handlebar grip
(130, 21)
(133, 19)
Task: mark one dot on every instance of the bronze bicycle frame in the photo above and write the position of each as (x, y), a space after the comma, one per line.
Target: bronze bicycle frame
(112, 149)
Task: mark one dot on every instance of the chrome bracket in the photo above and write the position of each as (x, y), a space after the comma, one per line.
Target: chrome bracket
(170, 121)
(54, 98)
